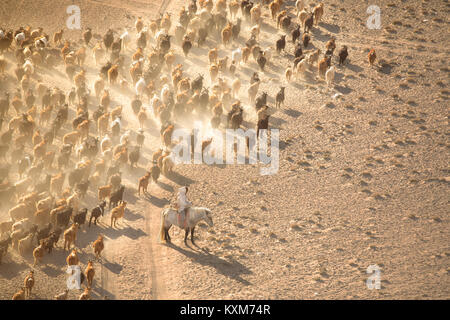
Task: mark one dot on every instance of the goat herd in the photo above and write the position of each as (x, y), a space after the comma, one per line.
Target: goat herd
(41, 208)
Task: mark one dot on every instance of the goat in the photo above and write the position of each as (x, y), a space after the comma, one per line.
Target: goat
(20, 295)
(318, 13)
(90, 272)
(371, 56)
(329, 75)
(97, 211)
(70, 236)
(118, 212)
(98, 246)
(25, 244)
(72, 259)
(29, 283)
(343, 54)
(38, 253)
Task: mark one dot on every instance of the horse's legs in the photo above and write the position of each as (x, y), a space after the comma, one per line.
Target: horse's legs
(186, 235)
(192, 235)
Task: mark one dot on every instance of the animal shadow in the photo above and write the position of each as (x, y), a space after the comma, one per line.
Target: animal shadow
(229, 268)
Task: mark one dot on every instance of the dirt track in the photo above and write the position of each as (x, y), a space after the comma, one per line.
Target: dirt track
(363, 177)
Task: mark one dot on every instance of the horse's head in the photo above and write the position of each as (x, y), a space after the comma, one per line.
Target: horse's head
(208, 217)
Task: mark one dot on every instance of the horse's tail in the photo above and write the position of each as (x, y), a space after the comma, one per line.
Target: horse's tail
(163, 232)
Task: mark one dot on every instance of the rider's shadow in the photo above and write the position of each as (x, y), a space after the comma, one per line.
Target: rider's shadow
(230, 268)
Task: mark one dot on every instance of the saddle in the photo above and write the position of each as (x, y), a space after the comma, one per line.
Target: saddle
(182, 220)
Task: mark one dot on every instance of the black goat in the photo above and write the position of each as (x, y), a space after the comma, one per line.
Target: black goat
(96, 212)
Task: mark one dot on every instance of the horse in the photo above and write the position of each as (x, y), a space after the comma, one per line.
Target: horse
(194, 215)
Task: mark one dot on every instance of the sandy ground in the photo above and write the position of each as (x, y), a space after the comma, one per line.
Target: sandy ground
(363, 176)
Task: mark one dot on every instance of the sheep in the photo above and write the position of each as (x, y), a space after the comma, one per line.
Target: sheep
(118, 212)
(25, 244)
(329, 75)
(98, 246)
(70, 235)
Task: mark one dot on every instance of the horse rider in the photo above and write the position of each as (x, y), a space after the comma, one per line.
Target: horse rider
(183, 203)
